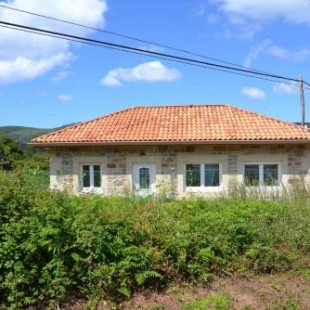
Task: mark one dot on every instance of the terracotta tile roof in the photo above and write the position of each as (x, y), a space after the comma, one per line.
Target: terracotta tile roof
(178, 124)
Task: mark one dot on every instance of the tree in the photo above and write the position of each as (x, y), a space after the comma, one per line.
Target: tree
(9, 153)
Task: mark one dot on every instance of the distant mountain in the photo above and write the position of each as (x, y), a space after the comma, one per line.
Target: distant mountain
(23, 135)
(307, 124)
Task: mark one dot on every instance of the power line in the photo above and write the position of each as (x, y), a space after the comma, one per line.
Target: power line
(132, 52)
(127, 37)
(146, 52)
(148, 42)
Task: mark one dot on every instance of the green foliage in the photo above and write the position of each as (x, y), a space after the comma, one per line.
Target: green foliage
(9, 153)
(54, 245)
(213, 301)
(25, 161)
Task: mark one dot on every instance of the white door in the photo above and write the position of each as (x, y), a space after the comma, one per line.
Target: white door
(144, 179)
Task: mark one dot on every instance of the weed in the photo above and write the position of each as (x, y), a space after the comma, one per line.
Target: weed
(213, 301)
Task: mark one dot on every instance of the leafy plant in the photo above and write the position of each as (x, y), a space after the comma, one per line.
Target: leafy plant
(54, 246)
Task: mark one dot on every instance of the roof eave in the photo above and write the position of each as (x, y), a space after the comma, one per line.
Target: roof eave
(172, 142)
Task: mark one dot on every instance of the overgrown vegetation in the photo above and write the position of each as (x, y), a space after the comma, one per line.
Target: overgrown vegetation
(14, 157)
(54, 246)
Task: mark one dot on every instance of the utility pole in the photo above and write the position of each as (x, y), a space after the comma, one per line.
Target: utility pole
(302, 99)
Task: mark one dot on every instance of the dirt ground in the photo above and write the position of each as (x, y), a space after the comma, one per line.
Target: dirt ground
(244, 291)
(289, 291)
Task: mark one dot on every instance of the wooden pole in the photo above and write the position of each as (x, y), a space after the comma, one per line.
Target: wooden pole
(302, 99)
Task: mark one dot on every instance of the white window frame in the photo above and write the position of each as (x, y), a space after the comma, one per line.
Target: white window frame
(92, 187)
(136, 179)
(261, 184)
(202, 187)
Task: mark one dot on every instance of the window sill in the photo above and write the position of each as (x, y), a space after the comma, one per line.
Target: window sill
(263, 188)
(92, 190)
(202, 189)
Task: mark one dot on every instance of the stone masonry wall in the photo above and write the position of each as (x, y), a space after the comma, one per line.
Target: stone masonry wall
(117, 163)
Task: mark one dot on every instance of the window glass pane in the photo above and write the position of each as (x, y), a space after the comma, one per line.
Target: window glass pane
(86, 176)
(192, 172)
(144, 178)
(271, 174)
(212, 175)
(251, 175)
(97, 176)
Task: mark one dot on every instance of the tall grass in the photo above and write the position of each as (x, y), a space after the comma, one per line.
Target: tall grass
(54, 246)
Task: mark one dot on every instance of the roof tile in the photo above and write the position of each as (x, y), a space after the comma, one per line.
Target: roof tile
(182, 123)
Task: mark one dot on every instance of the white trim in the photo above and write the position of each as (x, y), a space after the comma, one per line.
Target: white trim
(203, 188)
(135, 179)
(91, 188)
(261, 175)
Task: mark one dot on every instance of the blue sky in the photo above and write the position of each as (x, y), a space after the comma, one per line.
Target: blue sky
(47, 82)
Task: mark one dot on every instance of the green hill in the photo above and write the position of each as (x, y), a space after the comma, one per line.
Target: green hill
(23, 135)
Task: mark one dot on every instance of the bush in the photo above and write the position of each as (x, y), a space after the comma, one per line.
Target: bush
(54, 246)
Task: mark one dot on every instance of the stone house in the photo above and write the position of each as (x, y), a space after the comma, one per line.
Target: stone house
(177, 150)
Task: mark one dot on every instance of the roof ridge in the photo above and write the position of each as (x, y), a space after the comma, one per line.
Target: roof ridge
(123, 111)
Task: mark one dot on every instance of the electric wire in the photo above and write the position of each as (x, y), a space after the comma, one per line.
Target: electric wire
(147, 52)
(144, 41)
(132, 52)
(125, 36)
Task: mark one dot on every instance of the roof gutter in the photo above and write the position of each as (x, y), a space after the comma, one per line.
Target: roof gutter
(146, 143)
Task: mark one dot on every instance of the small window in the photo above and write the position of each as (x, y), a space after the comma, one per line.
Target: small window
(144, 178)
(202, 175)
(251, 175)
(212, 175)
(261, 174)
(270, 174)
(193, 175)
(91, 176)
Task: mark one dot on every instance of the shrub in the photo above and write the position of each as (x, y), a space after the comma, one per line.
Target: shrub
(53, 245)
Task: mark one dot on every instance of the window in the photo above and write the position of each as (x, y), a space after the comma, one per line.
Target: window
(193, 175)
(261, 174)
(202, 175)
(91, 176)
(144, 178)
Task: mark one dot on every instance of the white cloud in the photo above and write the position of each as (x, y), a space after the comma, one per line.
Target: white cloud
(302, 54)
(294, 11)
(253, 93)
(65, 97)
(22, 68)
(26, 56)
(277, 51)
(286, 89)
(245, 18)
(255, 51)
(153, 71)
(61, 75)
(268, 48)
